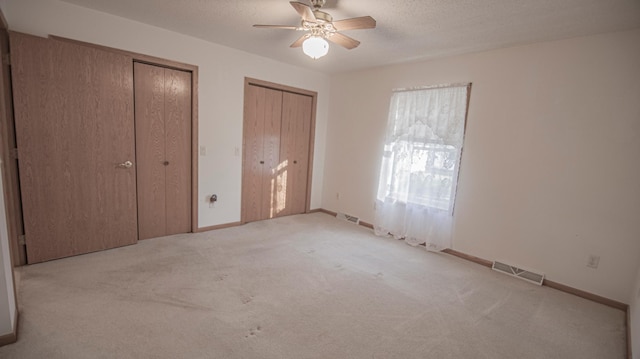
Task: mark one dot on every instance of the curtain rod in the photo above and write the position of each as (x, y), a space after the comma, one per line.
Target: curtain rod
(461, 84)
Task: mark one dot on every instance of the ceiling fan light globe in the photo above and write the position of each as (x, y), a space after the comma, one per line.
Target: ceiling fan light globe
(315, 47)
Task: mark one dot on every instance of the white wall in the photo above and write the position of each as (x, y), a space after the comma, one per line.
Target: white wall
(550, 171)
(7, 294)
(221, 80)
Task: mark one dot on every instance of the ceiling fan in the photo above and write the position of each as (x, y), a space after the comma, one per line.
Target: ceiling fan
(319, 27)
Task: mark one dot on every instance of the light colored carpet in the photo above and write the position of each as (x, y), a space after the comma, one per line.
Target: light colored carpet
(307, 286)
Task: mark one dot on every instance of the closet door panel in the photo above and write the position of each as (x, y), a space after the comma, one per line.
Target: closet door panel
(254, 107)
(287, 147)
(304, 105)
(150, 149)
(271, 202)
(296, 134)
(177, 104)
(74, 126)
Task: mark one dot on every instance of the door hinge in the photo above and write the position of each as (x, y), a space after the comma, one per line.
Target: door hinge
(6, 59)
(22, 240)
(14, 153)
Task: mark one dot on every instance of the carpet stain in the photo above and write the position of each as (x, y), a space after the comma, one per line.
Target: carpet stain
(168, 301)
(253, 332)
(247, 299)
(220, 278)
(183, 304)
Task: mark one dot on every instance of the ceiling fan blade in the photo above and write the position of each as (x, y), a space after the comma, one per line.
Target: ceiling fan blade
(300, 40)
(356, 23)
(304, 10)
(278, 27)
(344, 41)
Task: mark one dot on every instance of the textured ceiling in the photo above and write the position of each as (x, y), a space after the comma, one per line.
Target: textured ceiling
(407, 30)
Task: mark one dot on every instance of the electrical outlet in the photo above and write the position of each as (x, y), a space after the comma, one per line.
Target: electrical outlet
(236, 151)
(338, 195)
(593, 261)
(203, 150)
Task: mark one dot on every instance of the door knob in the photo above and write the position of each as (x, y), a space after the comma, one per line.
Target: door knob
(126, 164)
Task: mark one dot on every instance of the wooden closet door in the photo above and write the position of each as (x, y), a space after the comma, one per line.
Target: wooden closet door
(271, 204)
(74, 127)
(294, 151)
(150, 150)
(253, 128)
(163, 149)
(177, 109)
(263, 112)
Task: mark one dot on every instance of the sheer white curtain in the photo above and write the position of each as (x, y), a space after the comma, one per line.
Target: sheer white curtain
(420, 165)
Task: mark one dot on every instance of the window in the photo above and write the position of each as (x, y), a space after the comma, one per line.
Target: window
(421, 160)
(431, 171)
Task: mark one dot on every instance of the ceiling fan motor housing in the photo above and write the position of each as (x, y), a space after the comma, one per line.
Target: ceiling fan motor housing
(322, 16)
(317, 4)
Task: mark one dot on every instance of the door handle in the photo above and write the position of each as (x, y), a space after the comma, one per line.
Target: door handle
(126, 164)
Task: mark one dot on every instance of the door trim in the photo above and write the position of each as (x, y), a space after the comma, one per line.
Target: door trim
(157, 61)
(9, 173)
(248, 81)
(10, 178)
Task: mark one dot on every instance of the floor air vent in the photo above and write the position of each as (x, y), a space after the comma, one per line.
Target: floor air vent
(348, 218)
(529, 276)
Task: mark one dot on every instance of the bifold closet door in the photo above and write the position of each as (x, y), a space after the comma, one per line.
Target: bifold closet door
(75, 136)
(262, 119)
(163, 150)
(295, 136)
(277, 140)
